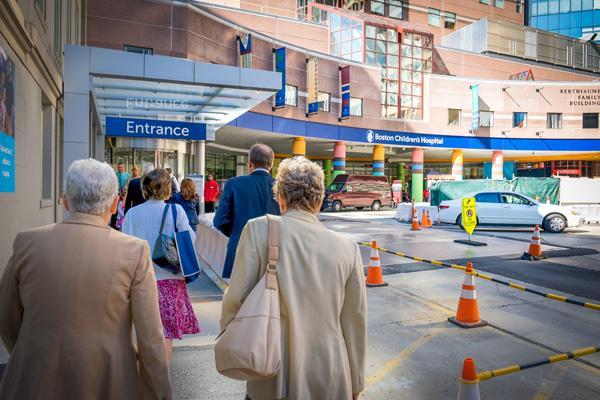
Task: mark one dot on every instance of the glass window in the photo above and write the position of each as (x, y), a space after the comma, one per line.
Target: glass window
(487, 198)
(369, 57)
(543, 7)
(378, 7)
(509, 198)
(324, 100)
(499, 3)
(370, 44)
(486, 119)
(346, 23)
(587, 5)
(357, 45)
(565, 6)
(291, 95)
(575, 5)
(357, 32)
(392, 60)
(449, 20)
(519, 6)
(590, 120)
(553, 7)
(335, 22)
(392, 35)
(484, 1)
(137, 49)
(533, 8)
(336, 36)
(554, 121)
(356, 107)
(395, 10)
(393, 48)
(453, 116)
(370, 31)
(47, 127)
(434, 17)
(519, 120)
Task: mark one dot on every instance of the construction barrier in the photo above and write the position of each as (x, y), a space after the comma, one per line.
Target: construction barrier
(476, 274)
(487, 375)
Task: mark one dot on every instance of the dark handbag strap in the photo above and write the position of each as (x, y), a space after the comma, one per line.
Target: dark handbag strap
(164, 217)
(174, 213)
(273, 251)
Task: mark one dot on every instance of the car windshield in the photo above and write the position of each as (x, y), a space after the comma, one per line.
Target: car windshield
(336, 187)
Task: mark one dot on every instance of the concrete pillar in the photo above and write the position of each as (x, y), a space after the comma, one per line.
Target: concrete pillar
(457, 164)
(378, 160)
(200, 167)
(339, 159)
(299, 147)
(328, 170)
(497, 165)
(417, 175)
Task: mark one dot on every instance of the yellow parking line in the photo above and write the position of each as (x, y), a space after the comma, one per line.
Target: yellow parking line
(395, 362)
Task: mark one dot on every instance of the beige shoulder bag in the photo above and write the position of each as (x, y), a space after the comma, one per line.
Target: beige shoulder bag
(249, 349)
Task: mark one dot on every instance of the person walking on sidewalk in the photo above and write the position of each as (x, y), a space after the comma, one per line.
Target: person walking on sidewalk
(122, 176)
(144, 222)
(69, 297)
(188, 199)
(211, 191)
(244, 198)
(321, 288)
(135, 197)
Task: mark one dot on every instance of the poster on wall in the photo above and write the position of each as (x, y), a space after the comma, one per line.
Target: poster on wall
(312, 85)
(7, 123)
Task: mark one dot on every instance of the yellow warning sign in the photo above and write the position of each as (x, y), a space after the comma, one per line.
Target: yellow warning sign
(469, 215)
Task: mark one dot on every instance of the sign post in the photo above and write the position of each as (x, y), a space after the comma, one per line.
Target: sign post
(469, 221)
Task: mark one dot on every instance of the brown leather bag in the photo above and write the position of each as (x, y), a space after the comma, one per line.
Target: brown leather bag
(249, 349)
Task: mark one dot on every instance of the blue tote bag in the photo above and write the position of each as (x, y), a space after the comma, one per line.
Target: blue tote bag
(188, 260)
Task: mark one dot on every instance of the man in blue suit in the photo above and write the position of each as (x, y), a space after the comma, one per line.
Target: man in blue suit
(244, 198)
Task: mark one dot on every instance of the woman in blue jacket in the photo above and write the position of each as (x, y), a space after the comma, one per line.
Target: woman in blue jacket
(188, 200)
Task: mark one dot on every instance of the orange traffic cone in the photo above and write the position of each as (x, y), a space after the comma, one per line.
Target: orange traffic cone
(374, 277)
(429, 224)
(535, 248)
(424, 222)
(415, 221)
(467, 314)
(469, 382)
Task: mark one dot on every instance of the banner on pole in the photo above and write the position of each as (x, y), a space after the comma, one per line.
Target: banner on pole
(279, 63)
(474, 108)
(312, 85)
(245, 51)
(345, 91)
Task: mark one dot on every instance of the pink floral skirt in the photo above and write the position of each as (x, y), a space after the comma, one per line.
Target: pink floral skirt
(176, 310)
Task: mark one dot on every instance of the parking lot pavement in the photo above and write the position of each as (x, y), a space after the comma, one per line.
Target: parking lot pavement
(414, 352)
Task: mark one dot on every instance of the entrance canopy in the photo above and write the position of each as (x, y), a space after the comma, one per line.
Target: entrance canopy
(101, 83)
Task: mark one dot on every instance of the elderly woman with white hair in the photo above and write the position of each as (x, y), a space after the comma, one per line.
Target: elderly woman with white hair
(69, 298)
(322, 293)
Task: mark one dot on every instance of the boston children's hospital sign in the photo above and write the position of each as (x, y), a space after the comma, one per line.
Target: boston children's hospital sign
(154, 129)
(407, 139)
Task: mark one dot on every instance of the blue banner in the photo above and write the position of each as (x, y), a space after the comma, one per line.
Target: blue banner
(7, 163)
(313, 108)
(155, 129)
(345, 105)
(474, 108)
(245, 44)
(7, 123)
(279, 62)
(345, 90)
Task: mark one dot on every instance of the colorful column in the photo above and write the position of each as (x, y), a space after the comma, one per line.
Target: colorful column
(299, 147)
(339, 159)
(497, 165)
(401, 173)
(417, 175)
(457, 164)
(328, 170)
(378, 160)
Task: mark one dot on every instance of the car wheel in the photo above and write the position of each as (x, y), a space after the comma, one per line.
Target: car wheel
(459, 222)
(359, 208)
(336, 206)
(555, 223)
(376, 206)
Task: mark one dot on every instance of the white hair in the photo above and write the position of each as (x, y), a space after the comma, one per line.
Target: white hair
(90, 187)
(147, 167)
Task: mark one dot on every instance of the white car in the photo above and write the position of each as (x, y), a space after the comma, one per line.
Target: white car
(508, 208)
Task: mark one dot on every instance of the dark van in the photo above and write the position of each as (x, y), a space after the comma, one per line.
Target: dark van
(358, 191)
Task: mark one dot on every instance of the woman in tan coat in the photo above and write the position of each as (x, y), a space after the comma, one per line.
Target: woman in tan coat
(322, 293)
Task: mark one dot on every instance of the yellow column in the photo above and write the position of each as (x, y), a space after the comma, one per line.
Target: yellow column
(457, 164)
(299, 147)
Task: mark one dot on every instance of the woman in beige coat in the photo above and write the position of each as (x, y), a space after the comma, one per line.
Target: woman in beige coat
(322, 293)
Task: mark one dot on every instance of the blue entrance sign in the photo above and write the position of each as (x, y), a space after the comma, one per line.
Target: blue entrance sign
(155, 129)
(474, 108)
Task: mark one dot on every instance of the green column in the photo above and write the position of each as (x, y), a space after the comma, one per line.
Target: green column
(327, 168)
(401, 173)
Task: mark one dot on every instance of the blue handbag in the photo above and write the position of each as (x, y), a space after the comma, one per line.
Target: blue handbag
(188, 260)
